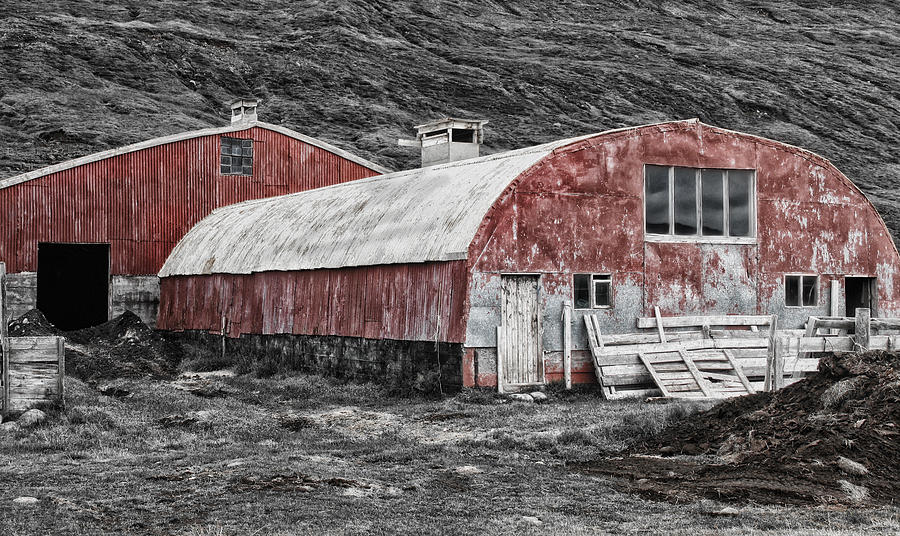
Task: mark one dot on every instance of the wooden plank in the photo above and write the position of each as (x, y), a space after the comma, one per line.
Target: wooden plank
(683, 345)
(835, 301)
(4, 344)
(567, 344)
(4, 321)
(4, 376)
(704, 385)
(656, 379)
(863, 328)
(47, 356)
(659, 325)
(779, 364)
(691, 321)
(740, 373)
(644, 338)
(501, 377)
(770, 355)
(61, 369)
(31, 343)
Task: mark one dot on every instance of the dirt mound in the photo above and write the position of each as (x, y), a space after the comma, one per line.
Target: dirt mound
(831, 438)
(123, 347)
(32, 324)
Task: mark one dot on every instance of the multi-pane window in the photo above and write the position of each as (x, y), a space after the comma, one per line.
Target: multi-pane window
(592, 291)
(693, 202)
(801, 290)
(237, 156)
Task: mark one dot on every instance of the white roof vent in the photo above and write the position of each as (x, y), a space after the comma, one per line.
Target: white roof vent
(244, 110)
(448, 140)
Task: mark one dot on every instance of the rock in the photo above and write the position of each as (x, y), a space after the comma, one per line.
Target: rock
(113, 390)
(9, 427)
(468, 470)
(32, 417)
(26, 501)
(538, 396)
(851, 467)
(519, 397)
(856, 494)
(533, 520)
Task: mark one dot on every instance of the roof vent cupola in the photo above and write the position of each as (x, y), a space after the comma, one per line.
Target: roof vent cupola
(448, 140)
(244, 110)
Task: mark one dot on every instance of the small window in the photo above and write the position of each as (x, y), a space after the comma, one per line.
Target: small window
(236, 156)
(801, 290)
(592, 291)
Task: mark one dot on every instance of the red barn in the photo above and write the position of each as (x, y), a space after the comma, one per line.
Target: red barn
(393, 274)
(85, 238)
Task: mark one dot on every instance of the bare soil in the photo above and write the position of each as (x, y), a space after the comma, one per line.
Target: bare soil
(795, 446)
(123, 347)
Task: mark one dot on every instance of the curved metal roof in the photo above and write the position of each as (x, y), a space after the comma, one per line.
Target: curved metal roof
(87, 159)
(420, 215)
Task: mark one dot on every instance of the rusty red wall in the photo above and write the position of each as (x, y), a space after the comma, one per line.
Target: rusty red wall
(580, 210)
(419, 302)
(143, 202)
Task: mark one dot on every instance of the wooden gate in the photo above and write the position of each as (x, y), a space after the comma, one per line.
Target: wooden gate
(520, 361)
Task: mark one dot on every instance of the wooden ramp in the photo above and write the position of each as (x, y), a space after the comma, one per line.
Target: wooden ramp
(678, 376)
(696, 364)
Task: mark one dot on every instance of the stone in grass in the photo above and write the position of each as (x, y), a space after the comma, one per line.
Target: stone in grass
(9, 427)
(851, 467)
(856, 494)
(468, 470)
(26, 501)
(520, 397)
(538, 396)
(32, 417)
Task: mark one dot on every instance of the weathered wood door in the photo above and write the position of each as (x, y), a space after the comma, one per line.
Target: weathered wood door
(520, 359)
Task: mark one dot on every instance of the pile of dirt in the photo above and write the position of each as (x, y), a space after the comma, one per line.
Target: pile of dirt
(124, 347)
(831, 438)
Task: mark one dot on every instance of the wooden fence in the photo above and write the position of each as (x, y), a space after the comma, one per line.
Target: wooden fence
(32, 369)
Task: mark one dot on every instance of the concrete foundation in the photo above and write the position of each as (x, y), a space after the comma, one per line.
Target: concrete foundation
(136, 293)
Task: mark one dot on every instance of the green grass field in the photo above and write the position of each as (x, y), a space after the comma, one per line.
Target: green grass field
(306, 455)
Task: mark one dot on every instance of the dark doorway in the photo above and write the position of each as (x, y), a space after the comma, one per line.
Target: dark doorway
(859, 293)
(73, 284)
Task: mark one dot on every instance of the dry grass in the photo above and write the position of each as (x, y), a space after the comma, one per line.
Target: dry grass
(302, 454)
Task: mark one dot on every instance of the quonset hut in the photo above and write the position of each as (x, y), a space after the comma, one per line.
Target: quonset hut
(388, 275)
(84, 239)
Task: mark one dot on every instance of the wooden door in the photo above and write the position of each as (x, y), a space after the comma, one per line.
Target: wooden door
(520, 360)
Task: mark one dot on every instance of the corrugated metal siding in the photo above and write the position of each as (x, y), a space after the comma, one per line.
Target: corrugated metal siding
(421, 215)
(143, 202)
(422, 302)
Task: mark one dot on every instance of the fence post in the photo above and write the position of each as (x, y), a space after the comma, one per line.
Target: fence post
(4, 344)
(863, 329)
(500, 358)
(778, 377)
(567, 344)
(770, 354)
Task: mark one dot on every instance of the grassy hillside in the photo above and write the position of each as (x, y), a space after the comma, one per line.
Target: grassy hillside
(83, 76)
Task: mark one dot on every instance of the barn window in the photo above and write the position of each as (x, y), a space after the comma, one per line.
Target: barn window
(236, 156)
(801, 290)
(690, 202)
(592, 291)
